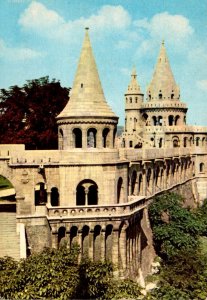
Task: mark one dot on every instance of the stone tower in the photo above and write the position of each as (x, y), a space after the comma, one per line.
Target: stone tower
(163, 106)
(87, 121)
(133, 104)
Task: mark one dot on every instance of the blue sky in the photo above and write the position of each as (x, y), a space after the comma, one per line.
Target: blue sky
(44, 37)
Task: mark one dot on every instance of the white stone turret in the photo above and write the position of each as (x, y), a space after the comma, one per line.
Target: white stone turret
(133, 103)
(87, 120)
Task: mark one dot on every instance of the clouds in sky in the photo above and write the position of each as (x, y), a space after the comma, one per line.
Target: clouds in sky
(18, 53)
(49, 23)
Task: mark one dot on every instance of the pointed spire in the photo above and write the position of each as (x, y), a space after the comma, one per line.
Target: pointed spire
(163, 85)
(87, 97)
(133, 87)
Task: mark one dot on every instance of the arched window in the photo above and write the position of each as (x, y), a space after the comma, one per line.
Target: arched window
(185, 142)
(40, 194)
(114, 136)
(149, 172)
(149, 97)
(130, 99)
(133, 182)
(73, 235)
(140, 184)
(191, 141)
(91, 138)
(130, 144)
(105, 135)
(109, 242)
(77, 135)
(177, 120)
(171, 120)
(197, 141)
(61, 235)
(203, 141)
(97, 243)
(85, 241)
(175, 142)
(201, 167)
(145, 119)
(54, 197)
(154, 120)
(120, 190)
(87, 193)
(135, 123)
(172, 96)
(160, 143)
(160, 120)
(160, 96)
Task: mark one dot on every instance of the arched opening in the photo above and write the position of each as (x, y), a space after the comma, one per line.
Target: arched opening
(154, 121)
(73, 235)
(140, 184)
(61, 236)
(60, 139)
(160, 96)
(175, 142)
(201, 167)
(184, 120)
(177, 120)
(145, 119)
(120, 190)
(130, 99)
(77, 135)
(91, 138)
(160, 119)
(85, 241)
(87, 193)
(139, 145)
(40, 194)
(149, 172)
(172, 96)
(133, 182)
(54, 197)
(170, 120)
(97, 243)
(157, 174)
(105, 135)
(203, 141)
(160, 143)
(130, 144)
(197, 141)
(109, 242)
(6, 189)
(185, 142)
(93, 195)
(135, 124)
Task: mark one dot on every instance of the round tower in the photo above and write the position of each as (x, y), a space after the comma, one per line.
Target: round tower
(87, 121)
(133, 103)
(163, 106)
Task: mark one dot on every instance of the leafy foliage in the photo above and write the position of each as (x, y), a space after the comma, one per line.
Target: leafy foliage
(56, 274)
(177, 233)
(27, 114)
(174, 227)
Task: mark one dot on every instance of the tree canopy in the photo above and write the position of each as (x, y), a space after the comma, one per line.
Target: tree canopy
(28, 113)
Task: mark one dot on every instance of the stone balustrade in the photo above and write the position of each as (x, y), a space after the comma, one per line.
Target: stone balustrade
(114, 211)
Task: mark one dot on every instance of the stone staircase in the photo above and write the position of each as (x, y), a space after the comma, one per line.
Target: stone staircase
(202, 189)
(9, 238)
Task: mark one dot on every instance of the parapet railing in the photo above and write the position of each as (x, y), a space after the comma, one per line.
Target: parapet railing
(97, 211)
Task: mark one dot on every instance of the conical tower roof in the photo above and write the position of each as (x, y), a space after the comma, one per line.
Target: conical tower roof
(133, 87)
(163, 85)
(87, 98)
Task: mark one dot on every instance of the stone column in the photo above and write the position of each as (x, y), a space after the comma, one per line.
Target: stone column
(99, 141)
(115, 248)
(84, 138)
(55, 240)
(122, 247)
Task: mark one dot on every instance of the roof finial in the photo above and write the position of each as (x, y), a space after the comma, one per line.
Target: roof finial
(163, 42)
(86, 28)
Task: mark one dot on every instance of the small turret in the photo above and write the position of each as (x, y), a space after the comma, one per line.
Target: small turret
(163, 85)
(133, 102)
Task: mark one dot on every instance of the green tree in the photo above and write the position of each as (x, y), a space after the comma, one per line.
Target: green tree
(175, 228)
(28, 113)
